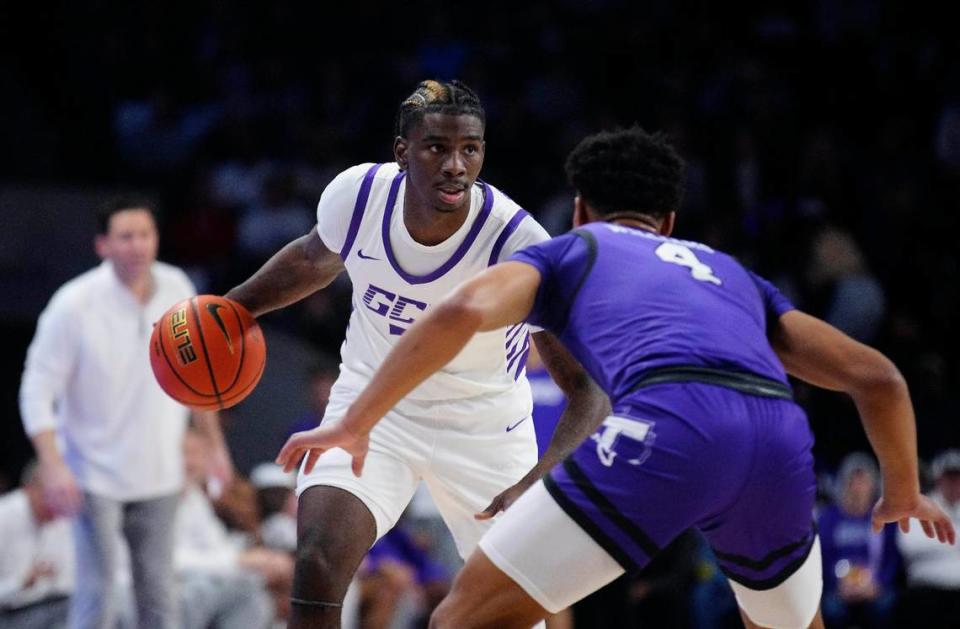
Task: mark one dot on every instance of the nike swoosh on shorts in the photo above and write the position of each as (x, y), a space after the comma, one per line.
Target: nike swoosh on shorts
(509, 428)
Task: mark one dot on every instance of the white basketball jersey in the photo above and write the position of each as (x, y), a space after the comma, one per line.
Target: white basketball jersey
(396, 279)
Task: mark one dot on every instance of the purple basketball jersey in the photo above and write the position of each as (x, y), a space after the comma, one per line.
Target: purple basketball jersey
(678, 303)
(704, 432)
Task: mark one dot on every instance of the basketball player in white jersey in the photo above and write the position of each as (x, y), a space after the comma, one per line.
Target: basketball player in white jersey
(407, 233)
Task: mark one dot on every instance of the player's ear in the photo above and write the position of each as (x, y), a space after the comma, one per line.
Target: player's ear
(666, 227)
(400, 151)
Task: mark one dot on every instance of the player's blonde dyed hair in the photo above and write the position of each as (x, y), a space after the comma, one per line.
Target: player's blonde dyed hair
(453, 98)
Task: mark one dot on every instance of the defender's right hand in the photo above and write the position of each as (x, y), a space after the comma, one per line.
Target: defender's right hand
(60, 488)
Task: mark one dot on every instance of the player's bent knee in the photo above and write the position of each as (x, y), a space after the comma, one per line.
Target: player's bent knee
(318, 574)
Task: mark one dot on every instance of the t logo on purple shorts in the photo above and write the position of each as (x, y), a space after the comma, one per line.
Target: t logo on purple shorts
(638, 430)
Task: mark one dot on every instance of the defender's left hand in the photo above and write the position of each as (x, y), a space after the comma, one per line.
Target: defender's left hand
(313, 443)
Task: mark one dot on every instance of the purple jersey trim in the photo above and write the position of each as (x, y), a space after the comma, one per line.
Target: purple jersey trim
(358, 209)
(512, 333)
(513, 350)
(521, 364)
(504, 236)
(524, 349)
(461, 251)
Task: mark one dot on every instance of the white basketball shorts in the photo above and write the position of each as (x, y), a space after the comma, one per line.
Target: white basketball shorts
(465, 459)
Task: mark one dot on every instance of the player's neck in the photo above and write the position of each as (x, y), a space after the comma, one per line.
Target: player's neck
(429, 226)
(636, 223)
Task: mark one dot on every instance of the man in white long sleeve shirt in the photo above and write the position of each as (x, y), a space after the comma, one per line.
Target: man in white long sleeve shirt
(36, 559)
(108, 439)
(933, 570)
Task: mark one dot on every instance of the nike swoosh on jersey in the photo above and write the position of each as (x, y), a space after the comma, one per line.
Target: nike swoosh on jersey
(213, 309)
(509, 428)
(361, 255)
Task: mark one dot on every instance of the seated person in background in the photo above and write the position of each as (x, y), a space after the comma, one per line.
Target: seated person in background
(399, 580)
(36, 559)
(277, 504)
(223, 584)
(932, 599)
(236, 506)
(859, 566)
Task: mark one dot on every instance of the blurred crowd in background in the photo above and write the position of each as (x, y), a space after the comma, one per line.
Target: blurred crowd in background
(823, 149)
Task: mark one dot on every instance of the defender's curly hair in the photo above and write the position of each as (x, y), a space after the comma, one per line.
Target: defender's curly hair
(628, 170)
(436, 97)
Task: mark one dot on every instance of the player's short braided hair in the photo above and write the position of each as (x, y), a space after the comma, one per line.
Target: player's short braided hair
(437, 97)
(628, 170)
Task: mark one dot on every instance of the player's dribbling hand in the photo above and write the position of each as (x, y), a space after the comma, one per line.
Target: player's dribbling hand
(933, 520)
(313, 443)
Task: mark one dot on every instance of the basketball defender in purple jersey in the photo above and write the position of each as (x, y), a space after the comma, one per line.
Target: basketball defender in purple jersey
(693, 351)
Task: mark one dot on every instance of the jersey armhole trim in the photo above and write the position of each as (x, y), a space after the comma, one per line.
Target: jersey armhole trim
(504, 236)
(591, 241)
(358, 210)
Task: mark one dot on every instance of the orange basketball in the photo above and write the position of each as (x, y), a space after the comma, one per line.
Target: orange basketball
(207, 352)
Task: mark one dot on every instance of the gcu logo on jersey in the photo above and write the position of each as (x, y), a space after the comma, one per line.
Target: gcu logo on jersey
(391, 306)
(616, 427)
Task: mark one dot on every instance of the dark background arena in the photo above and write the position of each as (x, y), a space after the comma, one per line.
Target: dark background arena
(822, 139)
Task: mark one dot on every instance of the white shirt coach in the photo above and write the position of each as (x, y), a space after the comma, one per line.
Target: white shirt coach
(88, 377)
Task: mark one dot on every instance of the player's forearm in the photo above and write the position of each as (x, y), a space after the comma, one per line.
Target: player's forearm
(883, 402)
(299, 269)
(587, 404)
(580, 419)
(423, 350)
(820, 354)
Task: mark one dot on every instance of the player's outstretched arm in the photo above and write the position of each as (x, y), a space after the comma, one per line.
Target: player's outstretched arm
(302, 267)
(500, 296)
(587, 405)
(816, 352)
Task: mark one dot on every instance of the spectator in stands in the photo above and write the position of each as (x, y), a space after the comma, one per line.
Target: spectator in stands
(933, 570)
(222, 583)
(855, 300)
(277, 505)
(278, 218)
(859, 565)
(36, 559)
(399, 582)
